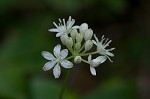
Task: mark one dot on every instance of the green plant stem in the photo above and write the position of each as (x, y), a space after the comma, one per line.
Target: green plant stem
(69, 57)
(81, 48)
(85, 61)
(65, 83)
(82, 54)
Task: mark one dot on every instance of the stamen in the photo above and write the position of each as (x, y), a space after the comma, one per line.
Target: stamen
(110, 49)
(109, 58)
(60, 20)
(105, 41)
(69, 18)
(64, 22)
(107, 44)
(55, 24)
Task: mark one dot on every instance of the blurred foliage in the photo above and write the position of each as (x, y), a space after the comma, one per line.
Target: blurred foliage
(114, 88)
(24, 35)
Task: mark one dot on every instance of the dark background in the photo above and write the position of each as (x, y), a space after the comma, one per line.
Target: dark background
(24, 34)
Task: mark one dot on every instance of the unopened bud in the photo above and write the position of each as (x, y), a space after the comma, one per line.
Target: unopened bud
(88, 34)
(88, 45)
(63, 39)
(69, 42)
(77, 59)
(95, 63)
(73, 33)
(78, 46)
(79, 37)
(83, 28)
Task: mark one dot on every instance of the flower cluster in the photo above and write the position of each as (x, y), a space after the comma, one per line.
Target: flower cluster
(78, 40)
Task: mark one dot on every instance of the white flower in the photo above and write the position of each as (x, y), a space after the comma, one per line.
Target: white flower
(63, 27)
(95, 62)
(101, 47)
(57, 60)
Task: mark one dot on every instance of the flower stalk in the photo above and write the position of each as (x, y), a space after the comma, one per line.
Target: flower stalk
(65, 84)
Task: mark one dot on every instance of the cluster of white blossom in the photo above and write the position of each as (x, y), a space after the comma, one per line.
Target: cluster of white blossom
(78, 40)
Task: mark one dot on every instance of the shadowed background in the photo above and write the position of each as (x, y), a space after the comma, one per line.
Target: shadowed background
(24, 34)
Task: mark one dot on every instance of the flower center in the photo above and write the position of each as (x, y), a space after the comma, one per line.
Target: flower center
(58, 60)
(101, 49)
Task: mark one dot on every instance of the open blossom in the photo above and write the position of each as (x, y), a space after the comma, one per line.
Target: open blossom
(95, 62)
(56, 61)
(63, 27)
(101, 47)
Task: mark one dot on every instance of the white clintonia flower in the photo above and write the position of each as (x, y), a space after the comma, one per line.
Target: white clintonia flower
(63, 27)
(101, 47)
(57, 60)
(95, 62)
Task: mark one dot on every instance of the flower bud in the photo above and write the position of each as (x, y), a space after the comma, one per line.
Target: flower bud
(79, 37)
(77, 59)
(95, 63)
(73, 33)
(88, 34)
(88, 45)
(69, 42)
(78, 46)
(63, 39)
(83, 28)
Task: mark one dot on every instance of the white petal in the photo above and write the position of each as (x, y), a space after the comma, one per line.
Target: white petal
(56, 71)
(63, 53)
(66, 64)
(102, 58)
(59, 34)
(57, 50)
(49, 65)
(47, 55)
(53, 30)
(109, 53)
(89, 58)
(93, 71)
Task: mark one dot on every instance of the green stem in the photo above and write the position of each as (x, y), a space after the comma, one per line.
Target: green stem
(64, 84)
(82, 54)
(85, 61)
(70, 49)
(69, 57)
(81, 48)
(74, 42)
